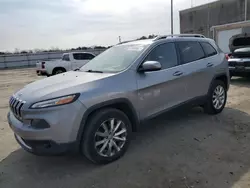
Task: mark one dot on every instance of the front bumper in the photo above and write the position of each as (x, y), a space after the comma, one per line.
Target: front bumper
(61, 135)
(45, 147)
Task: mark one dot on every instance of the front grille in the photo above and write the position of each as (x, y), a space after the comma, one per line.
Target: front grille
(232, 63)
(16, 106)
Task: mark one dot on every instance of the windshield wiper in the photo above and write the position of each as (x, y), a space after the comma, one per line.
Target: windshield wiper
(95, 71)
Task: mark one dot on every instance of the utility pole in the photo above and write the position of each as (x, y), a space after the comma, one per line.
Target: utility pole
(172, 19)
(246, 10)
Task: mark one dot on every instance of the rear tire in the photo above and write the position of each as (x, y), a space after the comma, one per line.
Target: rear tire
(217, 98)
(58, 71)
(107, 136)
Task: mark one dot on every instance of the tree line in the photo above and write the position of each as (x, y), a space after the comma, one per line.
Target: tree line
(55, 49)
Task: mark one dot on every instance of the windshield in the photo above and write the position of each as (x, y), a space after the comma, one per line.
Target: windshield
(115, 59)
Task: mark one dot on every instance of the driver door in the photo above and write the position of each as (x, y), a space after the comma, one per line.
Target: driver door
(163, 89)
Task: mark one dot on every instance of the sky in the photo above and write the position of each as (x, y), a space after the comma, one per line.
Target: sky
(46, 24)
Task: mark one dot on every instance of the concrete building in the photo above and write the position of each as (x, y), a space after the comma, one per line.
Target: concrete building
(219, 20)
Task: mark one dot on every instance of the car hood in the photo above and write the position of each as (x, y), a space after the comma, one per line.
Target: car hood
(60, 85)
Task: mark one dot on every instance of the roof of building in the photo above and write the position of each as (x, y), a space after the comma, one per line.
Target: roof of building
(204, 6)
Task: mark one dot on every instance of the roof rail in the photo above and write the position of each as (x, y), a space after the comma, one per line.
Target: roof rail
(123, 42)
(179, 35)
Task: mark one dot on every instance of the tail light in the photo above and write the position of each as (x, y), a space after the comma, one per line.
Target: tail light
(43, 65)
(228, 56)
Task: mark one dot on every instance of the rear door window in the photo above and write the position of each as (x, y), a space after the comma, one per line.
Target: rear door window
(209, 49)
(78, 56)
(190, 51)
(89, 56)
(83, 56)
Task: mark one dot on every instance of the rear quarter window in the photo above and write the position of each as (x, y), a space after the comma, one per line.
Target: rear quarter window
(208, 49)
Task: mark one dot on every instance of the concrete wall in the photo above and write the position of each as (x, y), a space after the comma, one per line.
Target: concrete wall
(21, 60)
(201, 19)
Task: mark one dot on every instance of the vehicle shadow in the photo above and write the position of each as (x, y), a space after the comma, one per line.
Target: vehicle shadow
(240, 81)
(184, 148)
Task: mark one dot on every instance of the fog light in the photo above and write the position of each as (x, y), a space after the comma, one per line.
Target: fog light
(39, 124)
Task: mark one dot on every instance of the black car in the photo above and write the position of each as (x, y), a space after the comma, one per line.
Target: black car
(239, 62)
(239, 59)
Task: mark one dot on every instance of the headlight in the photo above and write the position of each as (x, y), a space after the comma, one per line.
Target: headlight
(55, 101)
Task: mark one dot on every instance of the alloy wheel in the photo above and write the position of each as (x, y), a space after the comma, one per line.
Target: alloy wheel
(219, 97)
(110, 137)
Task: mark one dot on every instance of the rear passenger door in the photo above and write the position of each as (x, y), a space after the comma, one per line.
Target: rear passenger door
(77, 59)
(196, 68)
(160, 90)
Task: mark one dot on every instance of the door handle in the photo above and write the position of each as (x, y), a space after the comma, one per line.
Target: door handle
(210, 64)
(178, 73)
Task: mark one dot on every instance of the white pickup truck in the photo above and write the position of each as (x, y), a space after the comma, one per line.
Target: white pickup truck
(69, 61)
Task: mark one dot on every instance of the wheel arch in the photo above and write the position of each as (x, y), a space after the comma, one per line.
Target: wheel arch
(58, 68)
(122, 104)
(223, 77)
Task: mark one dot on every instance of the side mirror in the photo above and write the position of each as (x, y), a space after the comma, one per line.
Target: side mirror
(150, 66)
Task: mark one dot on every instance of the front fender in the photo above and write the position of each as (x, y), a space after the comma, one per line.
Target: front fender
(135, 119)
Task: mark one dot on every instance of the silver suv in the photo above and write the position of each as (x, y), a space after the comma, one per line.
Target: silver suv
(94, 110)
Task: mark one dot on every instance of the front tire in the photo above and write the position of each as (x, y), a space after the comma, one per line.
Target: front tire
(217, 98)
(107, 136)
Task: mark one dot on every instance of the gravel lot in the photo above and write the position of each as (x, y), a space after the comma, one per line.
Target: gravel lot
(183, 149)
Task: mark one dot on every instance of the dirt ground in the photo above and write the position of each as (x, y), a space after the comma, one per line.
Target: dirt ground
(184, 149)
